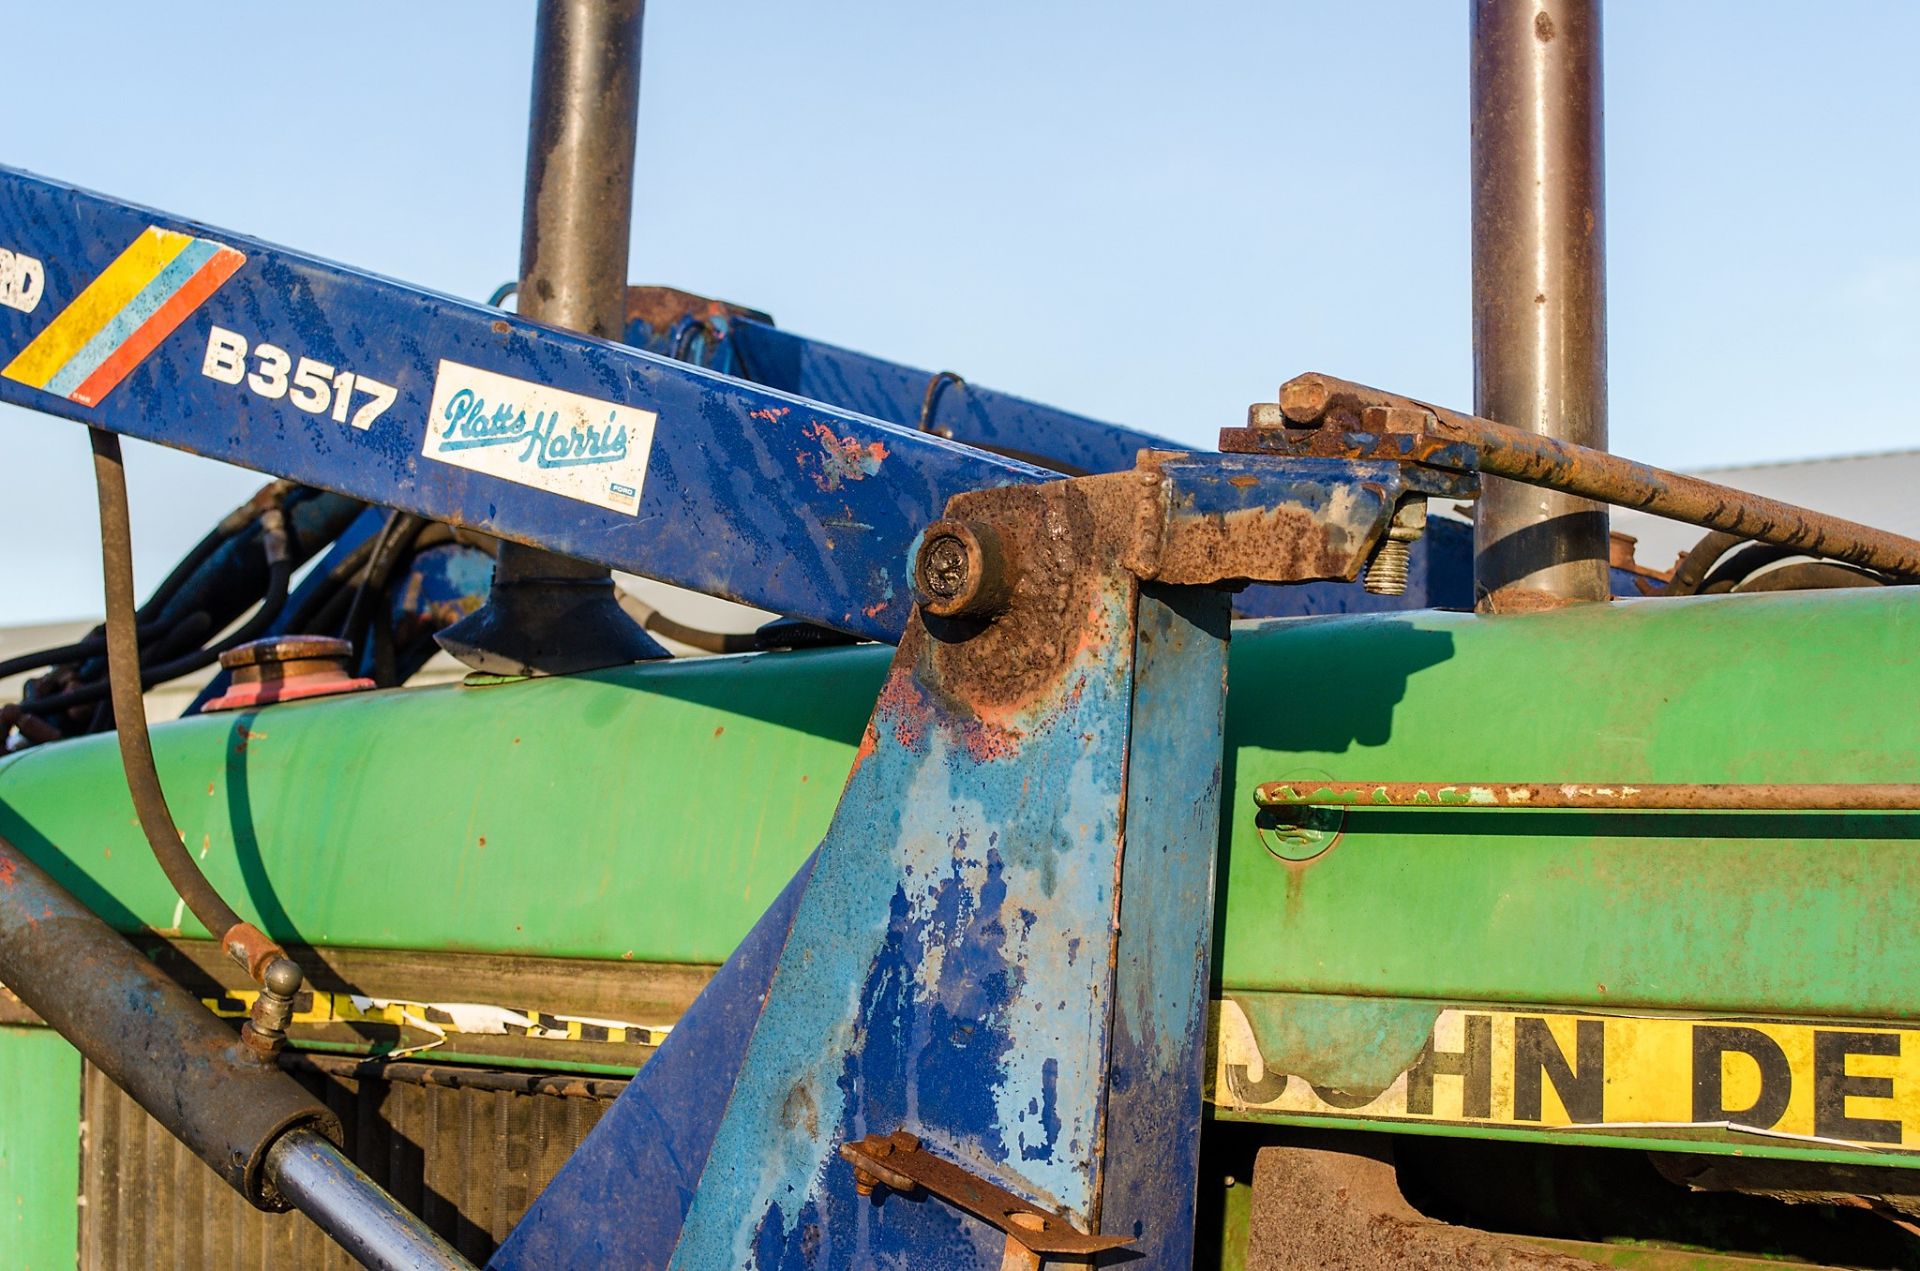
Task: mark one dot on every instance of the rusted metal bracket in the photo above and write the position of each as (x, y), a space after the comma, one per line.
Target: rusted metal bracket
(1355, 421)
(897, 1162)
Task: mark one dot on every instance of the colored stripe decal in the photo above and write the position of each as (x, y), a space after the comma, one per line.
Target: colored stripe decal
(219, 267)
(93, 308)
(123, 315)
(88, 357)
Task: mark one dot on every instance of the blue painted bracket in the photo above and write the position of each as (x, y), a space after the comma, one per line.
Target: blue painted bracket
(1002, 944)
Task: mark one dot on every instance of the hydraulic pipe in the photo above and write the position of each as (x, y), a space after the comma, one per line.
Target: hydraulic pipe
(549, 614)
(319, 1180)
(1327, 402)
(278, 976)
(257, 1127)
(169, 1053)
(1637, 795)
(242, 941)
(1539, 288)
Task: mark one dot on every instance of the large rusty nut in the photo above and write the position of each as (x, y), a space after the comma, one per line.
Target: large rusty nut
(962, 571)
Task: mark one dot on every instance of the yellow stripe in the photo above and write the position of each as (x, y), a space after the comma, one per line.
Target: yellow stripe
(93, 308)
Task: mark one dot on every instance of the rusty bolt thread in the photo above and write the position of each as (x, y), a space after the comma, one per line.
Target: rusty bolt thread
(1387, 575)
(961, 571)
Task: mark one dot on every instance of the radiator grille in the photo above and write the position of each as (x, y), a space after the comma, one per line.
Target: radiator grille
(467, 1160)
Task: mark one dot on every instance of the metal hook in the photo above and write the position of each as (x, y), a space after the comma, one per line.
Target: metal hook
(931, 402)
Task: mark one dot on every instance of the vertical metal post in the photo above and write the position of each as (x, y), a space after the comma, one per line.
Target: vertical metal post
(579, 203)
(1539, 288)
(550, 614)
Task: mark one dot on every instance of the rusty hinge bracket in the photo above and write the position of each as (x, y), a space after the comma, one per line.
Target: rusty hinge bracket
(898, 1162)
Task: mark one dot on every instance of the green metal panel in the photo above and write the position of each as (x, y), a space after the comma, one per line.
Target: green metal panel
(652, 812)
(1796, 914)
(649, 813)
(39, 1149)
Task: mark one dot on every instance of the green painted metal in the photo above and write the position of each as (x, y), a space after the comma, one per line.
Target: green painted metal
(649, 813)
(652, 812)
(1804, 914)
(39, 1149)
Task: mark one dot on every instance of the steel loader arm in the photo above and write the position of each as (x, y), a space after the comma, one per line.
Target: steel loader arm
(164, 329)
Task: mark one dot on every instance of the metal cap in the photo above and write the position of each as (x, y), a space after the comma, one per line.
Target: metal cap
(285, 669)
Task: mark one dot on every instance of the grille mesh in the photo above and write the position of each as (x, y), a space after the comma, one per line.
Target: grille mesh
(467, 1160)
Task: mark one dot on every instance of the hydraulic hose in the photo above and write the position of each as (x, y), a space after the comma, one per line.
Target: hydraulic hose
(280, 574)
(89, 646)
(254, 1125)
(280, 978)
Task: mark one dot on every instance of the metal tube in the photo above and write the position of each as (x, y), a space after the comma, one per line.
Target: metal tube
(150, 1036)
(549, 614)
(1688, 797)
(1541, 461)
(1327, 402)
(1539, 287)
(343, 1202)
(579, 204)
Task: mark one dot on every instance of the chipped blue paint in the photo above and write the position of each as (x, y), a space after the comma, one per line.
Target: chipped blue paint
(948, 971)
(1167, 879)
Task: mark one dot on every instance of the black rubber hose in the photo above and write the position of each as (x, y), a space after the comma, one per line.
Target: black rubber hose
(390, 545)
(1702, 557)
(336, 583)
(1809, 575)
(129, 708)
(202, 552)
(89, 646)
(279, 575)
(1742, 565)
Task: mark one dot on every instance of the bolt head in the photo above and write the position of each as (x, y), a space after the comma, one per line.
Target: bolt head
(944, 567)
(961, 571)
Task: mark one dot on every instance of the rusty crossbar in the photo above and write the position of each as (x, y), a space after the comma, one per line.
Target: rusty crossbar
(1684, 796)
(1519, 455)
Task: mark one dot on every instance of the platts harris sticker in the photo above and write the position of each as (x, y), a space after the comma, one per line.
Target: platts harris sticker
(580, 447)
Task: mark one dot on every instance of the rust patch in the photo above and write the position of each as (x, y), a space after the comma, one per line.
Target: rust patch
(843, 459)
(1283, 541)
(993, 669)
(661, 307)
(1523, 600)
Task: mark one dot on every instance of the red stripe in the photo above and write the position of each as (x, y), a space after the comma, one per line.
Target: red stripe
(177, 308)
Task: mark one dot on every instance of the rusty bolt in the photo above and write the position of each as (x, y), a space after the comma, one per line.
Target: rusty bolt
(961, 571)
(863, 1182)
(1387, 574)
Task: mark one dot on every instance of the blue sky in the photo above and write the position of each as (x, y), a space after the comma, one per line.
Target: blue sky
(1152, 213)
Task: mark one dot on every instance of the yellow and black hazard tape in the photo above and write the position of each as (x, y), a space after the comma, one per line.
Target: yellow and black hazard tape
(447, 1019)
